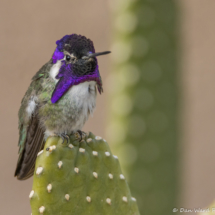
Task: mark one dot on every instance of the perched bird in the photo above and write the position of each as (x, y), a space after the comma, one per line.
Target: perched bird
(59, 99)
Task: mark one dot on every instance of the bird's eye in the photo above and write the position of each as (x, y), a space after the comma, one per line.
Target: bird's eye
(68, 58)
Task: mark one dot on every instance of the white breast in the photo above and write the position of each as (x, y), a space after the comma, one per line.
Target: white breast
(84, 96)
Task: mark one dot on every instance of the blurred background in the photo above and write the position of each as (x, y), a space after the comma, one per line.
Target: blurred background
(157, 111)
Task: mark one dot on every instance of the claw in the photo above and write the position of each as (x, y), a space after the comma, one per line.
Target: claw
(66, 137)
(79, 135)
(63, 136)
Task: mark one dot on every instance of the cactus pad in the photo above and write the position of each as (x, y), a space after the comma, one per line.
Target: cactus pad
(80, 178)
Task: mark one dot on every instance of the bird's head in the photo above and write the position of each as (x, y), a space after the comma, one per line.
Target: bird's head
(78, 63)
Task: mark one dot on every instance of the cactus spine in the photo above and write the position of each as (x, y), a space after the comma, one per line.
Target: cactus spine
(80, 178)
(143, 96)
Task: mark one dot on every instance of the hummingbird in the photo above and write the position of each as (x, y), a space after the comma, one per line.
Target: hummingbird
(59, 100)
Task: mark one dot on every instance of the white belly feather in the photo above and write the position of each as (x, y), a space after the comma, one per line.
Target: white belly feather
(84, 97)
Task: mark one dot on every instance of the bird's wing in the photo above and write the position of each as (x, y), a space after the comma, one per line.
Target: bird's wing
(31, 134)
(31, 142)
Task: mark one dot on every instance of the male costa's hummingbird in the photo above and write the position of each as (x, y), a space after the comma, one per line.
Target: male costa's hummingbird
(59, 99)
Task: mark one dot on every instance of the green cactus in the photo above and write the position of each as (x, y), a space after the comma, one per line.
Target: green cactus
(80, 178)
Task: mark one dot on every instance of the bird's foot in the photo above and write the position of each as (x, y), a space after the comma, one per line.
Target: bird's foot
(63, 136)
(80, 135)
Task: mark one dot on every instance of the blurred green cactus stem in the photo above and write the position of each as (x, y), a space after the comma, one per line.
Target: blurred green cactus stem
(80, 178)
(143, 100)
